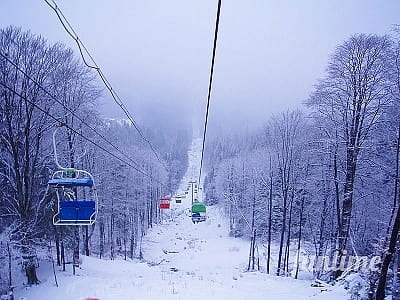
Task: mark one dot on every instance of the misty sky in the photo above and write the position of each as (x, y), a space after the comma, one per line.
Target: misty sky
(157, 53)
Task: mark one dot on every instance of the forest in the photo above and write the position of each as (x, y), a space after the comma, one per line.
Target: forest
(44, 85)
(323, 180)
(325, 177)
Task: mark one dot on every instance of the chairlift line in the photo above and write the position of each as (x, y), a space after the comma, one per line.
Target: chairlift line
(72, 33)
(69, 29)
(66, 107)
(81, 135)
(210, 85)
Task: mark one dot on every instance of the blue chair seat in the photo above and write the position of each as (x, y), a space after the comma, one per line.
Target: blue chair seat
(71, 182)
(77, 210)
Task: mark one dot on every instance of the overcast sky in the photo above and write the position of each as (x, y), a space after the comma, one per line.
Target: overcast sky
(157, 53)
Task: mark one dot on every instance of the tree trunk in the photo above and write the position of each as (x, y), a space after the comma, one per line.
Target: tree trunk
(287, 248)
(111, 234)
(76, 249)
(132, 239)
(125, 232)
(396, 274)
(337, 192)
(57, 236)
(253, 238)
(86, 241)
(29, 262)
(102, 236)
(388, 255)
(9, 265)
(283, 229)
(254, 249)
(322, 238)
(299, 239)
(347, 204)
(30, 270)
(62, 255)
(269, 222)
(250, 251)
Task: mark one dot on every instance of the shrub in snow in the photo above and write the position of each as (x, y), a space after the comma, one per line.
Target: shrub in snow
(236, 233)
(356, 286)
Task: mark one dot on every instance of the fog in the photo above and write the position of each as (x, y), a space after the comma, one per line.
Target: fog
(157, 53)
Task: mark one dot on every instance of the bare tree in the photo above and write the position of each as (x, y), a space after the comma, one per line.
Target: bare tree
(286, 132)
(351, 98)
(393, 122)
(23, 129)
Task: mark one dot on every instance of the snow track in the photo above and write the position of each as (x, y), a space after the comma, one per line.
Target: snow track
(181, 261)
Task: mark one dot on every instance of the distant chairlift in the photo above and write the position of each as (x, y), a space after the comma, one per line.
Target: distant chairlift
(198, 212)
(70, 184)
(165, 203)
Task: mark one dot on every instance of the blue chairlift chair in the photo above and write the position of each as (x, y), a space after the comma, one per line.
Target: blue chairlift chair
(67, 183)
(72, 211)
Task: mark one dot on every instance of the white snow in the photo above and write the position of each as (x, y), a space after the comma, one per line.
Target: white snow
(181, 261)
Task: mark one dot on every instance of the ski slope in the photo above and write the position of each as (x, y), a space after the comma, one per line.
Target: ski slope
(181, 261)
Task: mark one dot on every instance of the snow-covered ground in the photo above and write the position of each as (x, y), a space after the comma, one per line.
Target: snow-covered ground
(181, 261)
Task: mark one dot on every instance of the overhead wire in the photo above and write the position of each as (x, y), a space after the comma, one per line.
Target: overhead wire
(66, 107)
(210, 85)
(81, 135)
(82, 48)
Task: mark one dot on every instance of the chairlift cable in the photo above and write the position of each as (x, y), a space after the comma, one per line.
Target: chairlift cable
(72, 33)
(210, 85)
(66, 107)
(81, 135)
